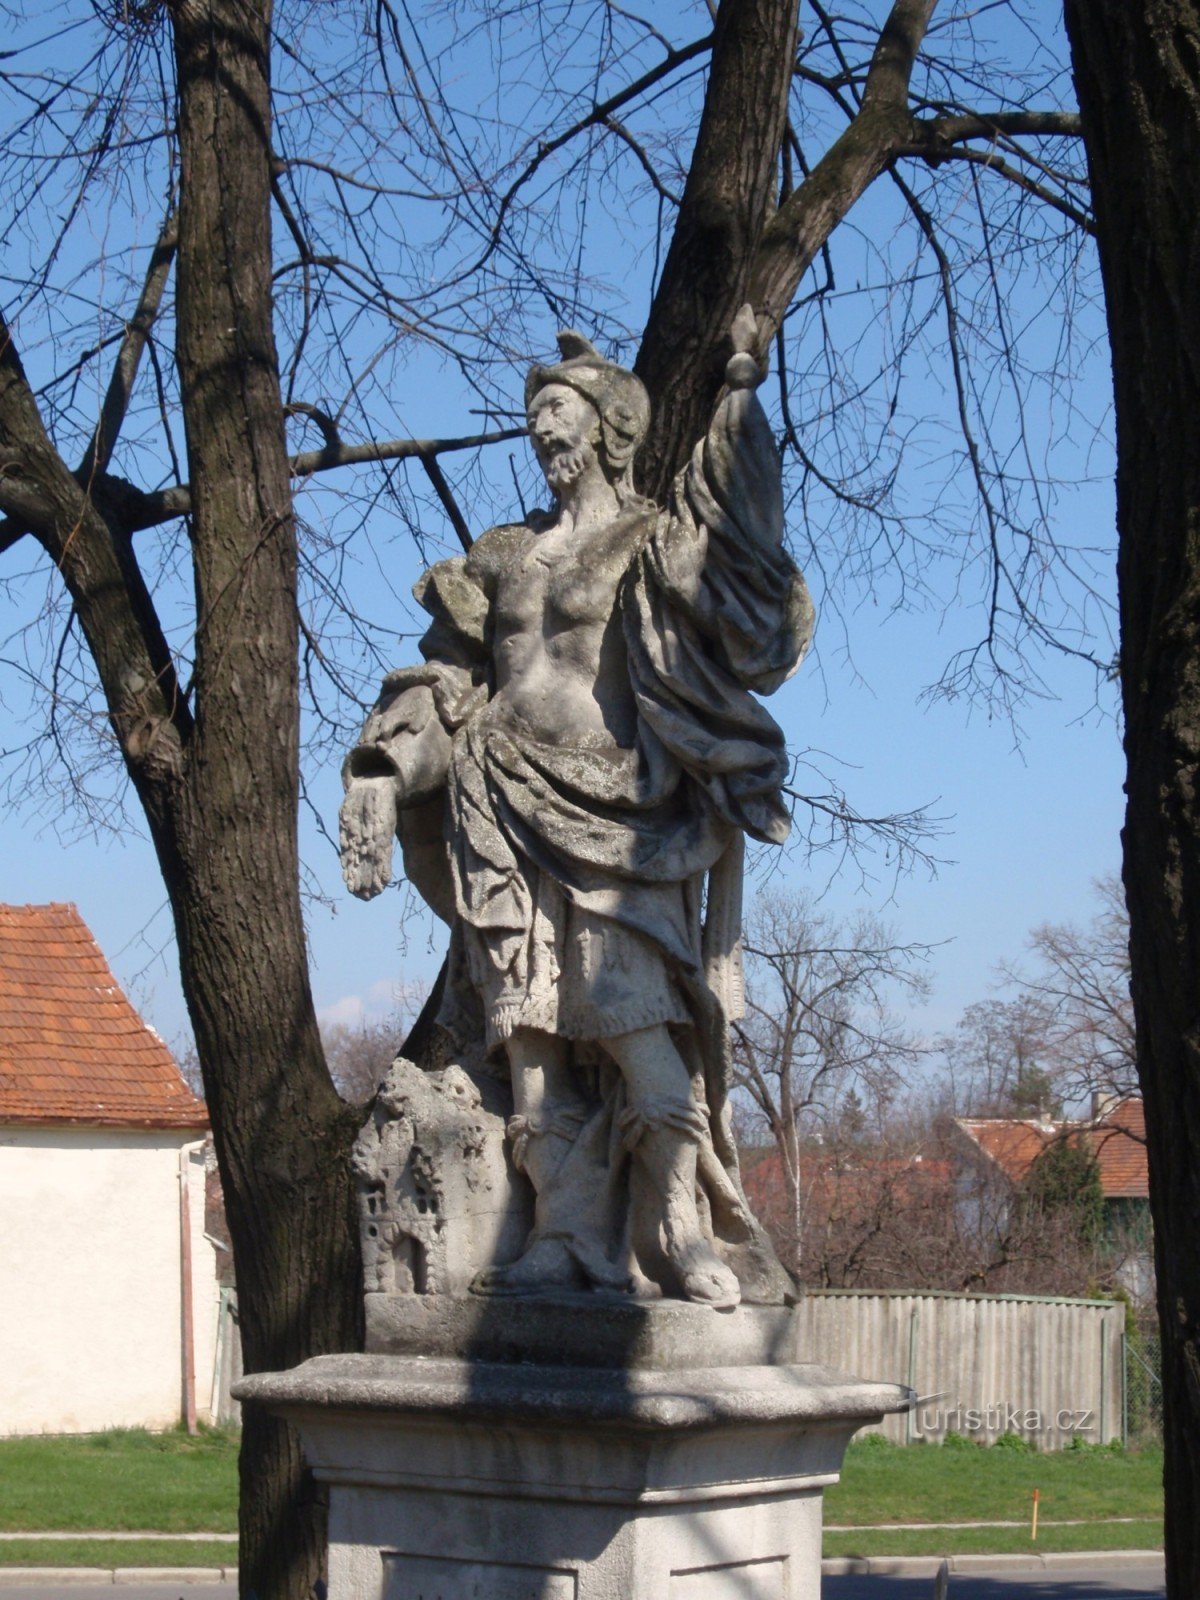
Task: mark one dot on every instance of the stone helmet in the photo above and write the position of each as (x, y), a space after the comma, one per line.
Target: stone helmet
(619, 397)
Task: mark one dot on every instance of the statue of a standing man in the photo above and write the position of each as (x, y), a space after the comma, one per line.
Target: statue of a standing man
(572, 772)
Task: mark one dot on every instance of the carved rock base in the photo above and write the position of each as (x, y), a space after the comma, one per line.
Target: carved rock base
(438, 1197)
(452, 1480)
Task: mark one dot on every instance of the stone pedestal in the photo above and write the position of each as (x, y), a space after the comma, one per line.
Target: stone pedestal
(455, 1479)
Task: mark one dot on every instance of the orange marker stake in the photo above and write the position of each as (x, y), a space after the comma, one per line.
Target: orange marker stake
(1037, 1495)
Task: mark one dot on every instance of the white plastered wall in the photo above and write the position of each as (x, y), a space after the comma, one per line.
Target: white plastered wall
(90, 1301)
(205, 1291)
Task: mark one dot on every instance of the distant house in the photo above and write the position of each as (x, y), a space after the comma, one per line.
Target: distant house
(861, 1216)
(838, 1180)
(1000, 1153)
(107, 1278)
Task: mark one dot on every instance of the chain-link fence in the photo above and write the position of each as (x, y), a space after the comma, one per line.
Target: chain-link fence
(1143, 1392)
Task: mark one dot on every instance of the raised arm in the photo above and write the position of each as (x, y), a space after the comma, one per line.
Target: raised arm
(718, 613)
(721, 556)
(734, 483)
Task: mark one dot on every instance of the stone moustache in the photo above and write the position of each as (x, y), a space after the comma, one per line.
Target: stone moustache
(572, 772)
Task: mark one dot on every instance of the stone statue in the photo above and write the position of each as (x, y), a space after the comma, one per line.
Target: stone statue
(572, 772)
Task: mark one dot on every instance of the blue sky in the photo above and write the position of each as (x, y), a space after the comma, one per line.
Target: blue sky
(1030, 820)
(1031, 807)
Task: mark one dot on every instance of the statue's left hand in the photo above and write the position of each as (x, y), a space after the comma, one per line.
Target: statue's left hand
(742, 371)
(367, 828)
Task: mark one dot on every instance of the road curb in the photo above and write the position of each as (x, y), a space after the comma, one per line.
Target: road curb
(927, 1566)
(832, 1567)
(26, 1577)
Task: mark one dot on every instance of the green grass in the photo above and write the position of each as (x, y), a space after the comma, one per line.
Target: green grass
(126, 1479)
(115, 1553)
(995, 1541)
(884, 1483)
(168, 1483)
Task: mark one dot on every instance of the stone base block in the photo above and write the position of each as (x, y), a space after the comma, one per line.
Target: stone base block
(454, 1480)
(579, 1330)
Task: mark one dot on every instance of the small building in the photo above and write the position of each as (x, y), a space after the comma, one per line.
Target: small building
(108, 1280)
(999, 1154)
(1115, 1134)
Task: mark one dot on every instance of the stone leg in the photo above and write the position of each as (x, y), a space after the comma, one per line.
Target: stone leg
(546, 1262)
(544, 1136)
(669, 1157)
(664, 1128)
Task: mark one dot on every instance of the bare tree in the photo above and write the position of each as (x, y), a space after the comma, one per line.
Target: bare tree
(1062, 1041)
(1062, 1035)
(1081, 978)
(336, 213)
(818, 1029)
(359, 1054)
(999, 1061)
(872, 1196)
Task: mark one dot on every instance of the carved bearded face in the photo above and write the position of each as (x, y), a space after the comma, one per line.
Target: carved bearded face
(564, 429)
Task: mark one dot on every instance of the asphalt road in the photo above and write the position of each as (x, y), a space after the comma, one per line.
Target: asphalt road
(1061, 1583)
(1135, 1583)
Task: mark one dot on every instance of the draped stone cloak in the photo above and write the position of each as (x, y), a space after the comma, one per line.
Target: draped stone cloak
(713, 613)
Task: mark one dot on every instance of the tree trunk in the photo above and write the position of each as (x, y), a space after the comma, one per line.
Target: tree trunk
(282, 1134)
(218, 778)
(1137, 69)
(727, 202)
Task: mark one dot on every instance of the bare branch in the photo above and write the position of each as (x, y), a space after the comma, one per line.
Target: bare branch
(137, 331)
(450, 505)
(1011, 174)
(895, 56)
(932, 133)
(100, 571)
(880, 128)
(639, 150)
(151, 510)
(348, 455)
(328, 427)
(598, 115)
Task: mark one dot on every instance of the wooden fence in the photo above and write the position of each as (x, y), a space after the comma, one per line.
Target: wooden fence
(982, 1365)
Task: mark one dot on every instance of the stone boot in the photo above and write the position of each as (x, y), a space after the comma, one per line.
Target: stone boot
(665, 1137)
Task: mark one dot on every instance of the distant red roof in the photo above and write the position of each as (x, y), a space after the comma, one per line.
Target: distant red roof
(1013, 1144)
(72, 1048)
(1117, 1139)
(848, 1180)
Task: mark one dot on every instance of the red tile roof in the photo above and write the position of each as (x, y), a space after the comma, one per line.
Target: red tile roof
(1117, 1138)
(72, 1048)
(1014, 1145)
